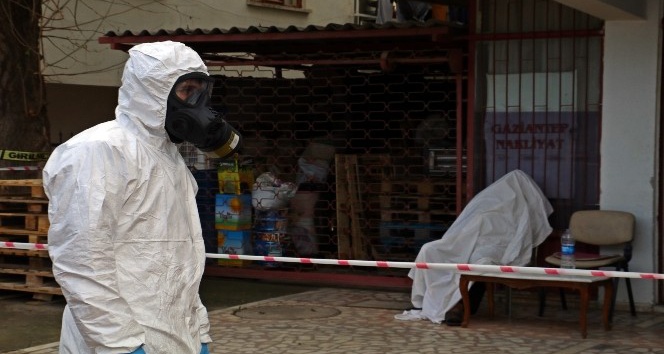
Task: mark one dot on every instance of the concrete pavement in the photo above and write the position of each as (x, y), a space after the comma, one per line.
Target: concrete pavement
(336, 320)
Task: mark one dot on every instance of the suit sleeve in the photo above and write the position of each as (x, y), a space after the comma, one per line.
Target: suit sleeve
(85, 187)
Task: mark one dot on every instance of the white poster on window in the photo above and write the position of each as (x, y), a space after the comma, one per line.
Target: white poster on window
(529, 125)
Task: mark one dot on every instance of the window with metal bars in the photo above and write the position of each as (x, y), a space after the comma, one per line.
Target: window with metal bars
(390, 183)
(538, 99)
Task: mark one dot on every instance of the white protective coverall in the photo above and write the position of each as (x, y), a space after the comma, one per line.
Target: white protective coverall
(500, 225)
(125, 237)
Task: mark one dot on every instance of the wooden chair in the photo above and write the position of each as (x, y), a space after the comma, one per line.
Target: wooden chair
(601, 228)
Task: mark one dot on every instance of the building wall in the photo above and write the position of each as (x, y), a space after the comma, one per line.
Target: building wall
(91, 76)
(78, 107)
(629, 148)
(98, 65)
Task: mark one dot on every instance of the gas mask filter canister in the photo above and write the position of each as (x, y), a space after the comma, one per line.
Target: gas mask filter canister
(189, 118)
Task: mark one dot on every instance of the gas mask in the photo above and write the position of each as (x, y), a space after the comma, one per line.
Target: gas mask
(189, 118)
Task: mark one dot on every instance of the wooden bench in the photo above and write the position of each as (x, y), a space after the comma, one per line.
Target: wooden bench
(582, 284)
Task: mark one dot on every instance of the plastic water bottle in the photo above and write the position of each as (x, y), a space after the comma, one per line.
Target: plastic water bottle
(567, 250)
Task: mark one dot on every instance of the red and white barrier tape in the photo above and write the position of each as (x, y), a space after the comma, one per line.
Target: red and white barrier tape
(454, 267)
(23, 246)
(21, 168)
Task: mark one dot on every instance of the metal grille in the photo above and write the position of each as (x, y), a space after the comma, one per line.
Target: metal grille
(387, 152)
(380, 148)
(538, 98)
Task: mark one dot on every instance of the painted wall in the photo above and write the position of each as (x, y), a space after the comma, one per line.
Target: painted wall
(630, 117)
(76, 30)
(610, 9)
(78, 107)
(95, 70)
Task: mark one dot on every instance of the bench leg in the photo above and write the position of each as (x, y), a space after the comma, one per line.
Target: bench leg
(541, 294)
(607, 307)
(583, 311)
(490, 290)
(465, 297)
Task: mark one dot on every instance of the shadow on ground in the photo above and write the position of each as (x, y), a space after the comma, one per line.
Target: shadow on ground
(26, 322)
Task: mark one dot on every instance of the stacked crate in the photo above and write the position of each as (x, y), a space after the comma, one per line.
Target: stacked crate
(414, 212)
(269, 233)
(24, 219)
(233, 212)
(208, 188)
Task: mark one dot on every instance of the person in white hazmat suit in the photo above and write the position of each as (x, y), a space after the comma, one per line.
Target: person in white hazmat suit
(499, 226)
(125, 236)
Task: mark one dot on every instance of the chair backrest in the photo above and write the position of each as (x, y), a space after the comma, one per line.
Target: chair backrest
(602, 227)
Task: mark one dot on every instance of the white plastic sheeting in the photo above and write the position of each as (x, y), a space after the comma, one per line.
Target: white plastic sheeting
(500, 225)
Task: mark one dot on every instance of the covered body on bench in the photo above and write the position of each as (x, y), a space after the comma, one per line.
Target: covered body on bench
(500, 226)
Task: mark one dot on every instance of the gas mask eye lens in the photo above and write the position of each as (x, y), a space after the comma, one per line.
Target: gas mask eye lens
(190, 118)
(189, 91)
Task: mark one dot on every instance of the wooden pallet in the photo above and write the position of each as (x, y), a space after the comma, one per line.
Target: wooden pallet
(412, 212)
(371, 194)
(24, 218)
(352, 243)
(417, 201)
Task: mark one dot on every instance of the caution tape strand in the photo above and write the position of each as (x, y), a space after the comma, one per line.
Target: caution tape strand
(453, 267)
(21, 168)
(23, 155)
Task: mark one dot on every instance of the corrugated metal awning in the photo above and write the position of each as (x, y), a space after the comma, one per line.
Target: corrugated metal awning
(334, 42)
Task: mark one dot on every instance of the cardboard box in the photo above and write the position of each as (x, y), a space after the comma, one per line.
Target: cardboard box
(234, 180)
(232, 212)
(234, 242)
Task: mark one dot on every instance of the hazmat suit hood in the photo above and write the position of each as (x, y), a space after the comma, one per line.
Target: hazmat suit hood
(147, 80)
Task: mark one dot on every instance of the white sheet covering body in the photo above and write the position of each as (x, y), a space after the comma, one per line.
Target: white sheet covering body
(500, 225)
(125, 236)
